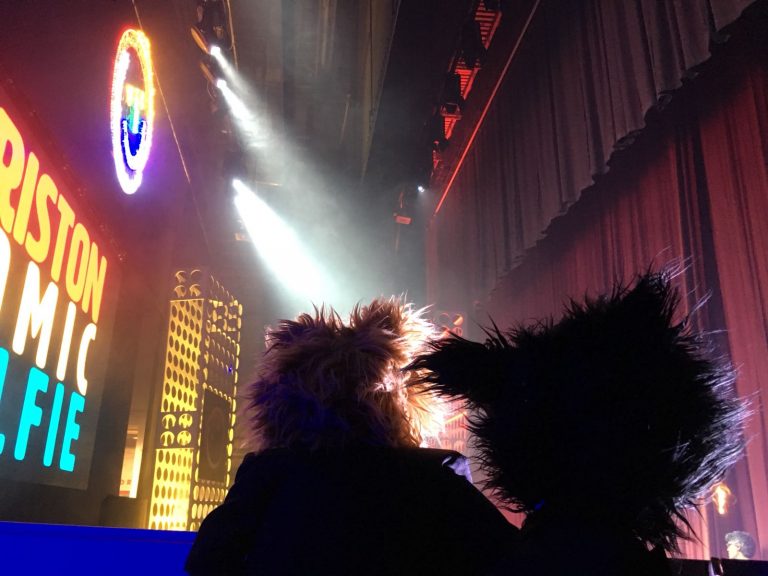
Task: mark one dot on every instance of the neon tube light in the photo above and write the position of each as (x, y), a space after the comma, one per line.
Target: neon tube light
(132, 110)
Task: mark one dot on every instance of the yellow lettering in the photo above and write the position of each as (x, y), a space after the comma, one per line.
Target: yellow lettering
(94, 283)
(5, 265)
(10, 173)
(25, 200)
(77, 262)
(38, 249)
(89, 335)
(66, 342)
(86, 269)
(35, 315)
(66, 222)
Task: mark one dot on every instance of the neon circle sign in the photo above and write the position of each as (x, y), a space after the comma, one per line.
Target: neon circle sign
(132, 109)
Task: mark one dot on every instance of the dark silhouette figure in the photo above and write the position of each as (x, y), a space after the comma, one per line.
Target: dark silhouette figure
(338, 483)
(602, 428)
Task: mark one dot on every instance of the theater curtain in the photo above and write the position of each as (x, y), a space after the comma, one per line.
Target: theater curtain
(579, 88)
(734, 137)
(691, 188)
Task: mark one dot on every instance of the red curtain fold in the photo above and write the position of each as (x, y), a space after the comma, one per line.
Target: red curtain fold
(691, 188)
(734, 136)
(723, 11)
(585, 76)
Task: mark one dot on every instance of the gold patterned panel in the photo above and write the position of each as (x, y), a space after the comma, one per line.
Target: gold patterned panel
(201, 361)
(181, 381)
(205, 497)
(169, 504)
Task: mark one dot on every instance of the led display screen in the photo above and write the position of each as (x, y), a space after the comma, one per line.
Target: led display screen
(55, 315)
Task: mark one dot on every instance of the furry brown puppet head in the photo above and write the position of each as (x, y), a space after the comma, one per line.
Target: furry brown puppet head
(614, 413)
(326, 383)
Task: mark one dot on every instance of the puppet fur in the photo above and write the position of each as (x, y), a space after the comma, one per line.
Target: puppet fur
(328, 383)
(617, 413)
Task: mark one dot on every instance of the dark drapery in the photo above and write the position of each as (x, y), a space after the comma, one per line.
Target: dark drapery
(734, 138)
(578, 89)
(692, 186)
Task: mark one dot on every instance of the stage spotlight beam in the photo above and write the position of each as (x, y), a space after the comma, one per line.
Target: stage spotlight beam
(252, 129)
(280, 248)
(239, 110)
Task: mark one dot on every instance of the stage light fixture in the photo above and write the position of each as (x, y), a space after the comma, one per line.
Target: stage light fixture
(436, 132)
(211, 19)
(199, 38)
(472, 47)
(280, 248)
(421, 189)
(209, 73)
(209, 48)
(452, 101)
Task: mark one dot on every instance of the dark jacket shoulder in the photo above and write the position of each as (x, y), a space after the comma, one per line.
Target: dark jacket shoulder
(361, 510)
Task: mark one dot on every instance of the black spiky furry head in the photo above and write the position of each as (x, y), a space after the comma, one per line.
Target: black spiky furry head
(615, 412)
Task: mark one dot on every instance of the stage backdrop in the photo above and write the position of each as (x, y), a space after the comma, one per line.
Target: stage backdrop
(60, 281)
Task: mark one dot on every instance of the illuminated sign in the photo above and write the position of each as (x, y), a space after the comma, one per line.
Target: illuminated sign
(132, 109)
(52, 281)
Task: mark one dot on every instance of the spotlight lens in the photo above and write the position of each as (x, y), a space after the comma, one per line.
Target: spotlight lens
(221, 83)
(215, 51)
(421, 188)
